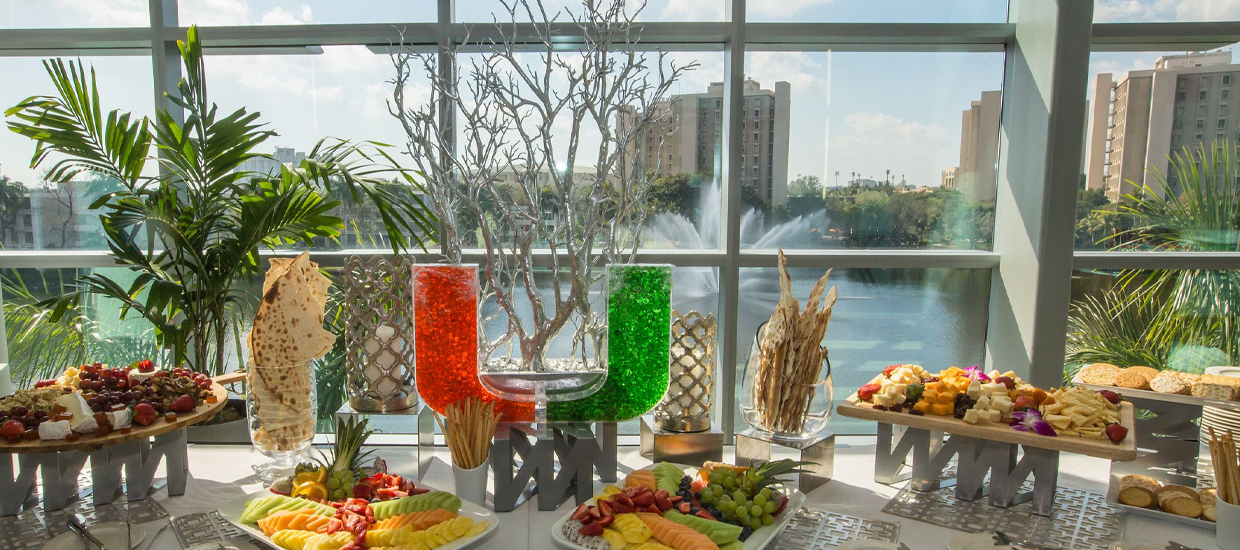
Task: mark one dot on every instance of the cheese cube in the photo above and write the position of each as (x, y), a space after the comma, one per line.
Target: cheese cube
(1001, 403)
(930, 395)
(83, 419)
(54, 429)
(949, 398)
(943, 409)
(975, 390)
(983, 403)
(970, 416)
(120, 419)
(991, 415)
(923, 406)
(882, 399)
(994, 388)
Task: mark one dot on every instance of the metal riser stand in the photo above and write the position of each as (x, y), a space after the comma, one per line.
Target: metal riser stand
(556, 463)
(1007, 467)
(59, 472)
(1170, 445)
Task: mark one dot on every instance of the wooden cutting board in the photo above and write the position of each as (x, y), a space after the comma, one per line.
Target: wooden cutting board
(1125, 451)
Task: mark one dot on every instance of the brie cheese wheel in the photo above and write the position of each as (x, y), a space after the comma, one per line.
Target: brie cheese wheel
(83, 420)
(54, 429)
(137, 376)
(121, 419)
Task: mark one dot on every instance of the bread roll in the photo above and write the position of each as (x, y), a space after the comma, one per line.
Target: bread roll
(1206, 497)
(1168, 492)
(1138, 490)
(1208, 512)
(1181, 505)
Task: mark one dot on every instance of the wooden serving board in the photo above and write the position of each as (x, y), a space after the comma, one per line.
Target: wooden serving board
(87, 443)
(1126, 451)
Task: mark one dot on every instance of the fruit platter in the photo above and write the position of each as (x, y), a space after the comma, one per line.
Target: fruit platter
(95, 405)
(399, 516)
(670, 507)
(998, 407)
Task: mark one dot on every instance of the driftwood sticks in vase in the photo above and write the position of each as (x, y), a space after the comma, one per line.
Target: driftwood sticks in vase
(792, 355)
(468, 426)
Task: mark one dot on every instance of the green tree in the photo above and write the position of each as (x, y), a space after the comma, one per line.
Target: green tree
(674, 193)
(12, 199)
(805, 185)
(753, 199)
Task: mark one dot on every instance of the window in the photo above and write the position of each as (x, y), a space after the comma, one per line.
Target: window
(756, 125)
(1181, 82)
(1201, 110)
(879, 11)
(303, 12)
(755, 136)
(1222, 123)
(1205, 81)
(757, 113)
(1201, 124)
(1226, 80)
(1179, 96)
(1203, 95)
(1224, 94)
(1179, 110)
(1179, 124)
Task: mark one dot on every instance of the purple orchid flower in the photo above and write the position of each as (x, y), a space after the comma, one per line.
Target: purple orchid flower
(1031, 420)
(974, 373)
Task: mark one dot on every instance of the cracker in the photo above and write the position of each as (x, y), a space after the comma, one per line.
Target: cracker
(1135, 378)
(1168, 382)
(1101, 374)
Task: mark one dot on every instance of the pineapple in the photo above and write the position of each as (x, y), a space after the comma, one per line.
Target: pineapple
(344, 466)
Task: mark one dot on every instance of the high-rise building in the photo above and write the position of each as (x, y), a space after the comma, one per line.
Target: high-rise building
(979, 150)
(271, 166)
(690, 139)
(1137, 122)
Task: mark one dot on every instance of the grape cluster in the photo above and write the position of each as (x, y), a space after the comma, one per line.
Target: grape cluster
(340, 484)
(733, 494)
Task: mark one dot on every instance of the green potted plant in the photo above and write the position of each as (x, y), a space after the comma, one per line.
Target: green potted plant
(186, 221)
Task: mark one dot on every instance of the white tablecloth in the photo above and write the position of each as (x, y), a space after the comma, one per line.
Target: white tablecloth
(222, 473)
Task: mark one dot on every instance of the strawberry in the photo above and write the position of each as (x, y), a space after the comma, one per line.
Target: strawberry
(653, 510)
(594, 512)
(605, 520)
(684, 507)
(890, 369)
(182, 404)
(645, 499)
(618, 508)
(592, 530)
(1024, 403)
(867, 391)
(1116, 433)
(581, 512)
(702, 513)
(604, 508)
(1110, 396)
(622, 498)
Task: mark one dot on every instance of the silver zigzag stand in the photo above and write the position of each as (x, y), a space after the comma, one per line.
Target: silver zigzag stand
(59, 473)
(975, 458)
(556, 463)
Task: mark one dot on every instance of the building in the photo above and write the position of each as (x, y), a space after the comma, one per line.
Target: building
(1137, 122)
(689, 139)
(947, 180)
(979, 150)
(271, 166)
(55, 217)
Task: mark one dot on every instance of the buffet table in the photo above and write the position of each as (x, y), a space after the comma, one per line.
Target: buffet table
(222, 473)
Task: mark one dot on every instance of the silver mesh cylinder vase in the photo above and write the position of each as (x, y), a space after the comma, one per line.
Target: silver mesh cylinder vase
(687, 405)
(379, 356)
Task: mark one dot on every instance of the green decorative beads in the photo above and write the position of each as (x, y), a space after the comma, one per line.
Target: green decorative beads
(639, 325)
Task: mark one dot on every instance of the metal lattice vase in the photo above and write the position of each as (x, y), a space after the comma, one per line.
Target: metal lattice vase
(686, 406)
(379, 333)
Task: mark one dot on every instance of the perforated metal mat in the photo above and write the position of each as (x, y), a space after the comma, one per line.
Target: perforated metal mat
(1080, 519)
(197, 528)
(33, 528)
(814, 529)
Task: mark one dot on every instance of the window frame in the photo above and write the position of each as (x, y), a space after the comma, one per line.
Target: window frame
(1063, 79)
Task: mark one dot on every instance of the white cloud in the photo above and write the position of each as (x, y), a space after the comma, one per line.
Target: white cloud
(280, 16)
(693, 10)
(109, 13)
(1108, 11)
(797, 68)
(782, 9)
(871, 143)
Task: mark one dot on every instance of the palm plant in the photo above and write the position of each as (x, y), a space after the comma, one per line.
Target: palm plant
(190, 227)
(1195, 210)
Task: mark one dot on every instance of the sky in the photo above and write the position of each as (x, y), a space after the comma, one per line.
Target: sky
(852, 112)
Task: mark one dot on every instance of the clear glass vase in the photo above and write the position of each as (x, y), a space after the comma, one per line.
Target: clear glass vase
(280, 406)
(555, 359)
(783, 409)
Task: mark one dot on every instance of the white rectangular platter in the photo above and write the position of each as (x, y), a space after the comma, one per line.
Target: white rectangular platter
(758, 540)
(231, 511)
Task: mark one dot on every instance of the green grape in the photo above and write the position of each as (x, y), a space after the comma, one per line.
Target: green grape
(708, 498)
(742, 512)
(759, 499)
(337, 494)
(717, 490)
(333, 483)
(766, 493)
(730, 483)
(716, 477)
(755, 510)
(769, 507)
(767, 519)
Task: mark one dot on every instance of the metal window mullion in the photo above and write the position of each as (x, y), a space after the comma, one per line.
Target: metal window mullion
(729, 270)
(446, 66)
(1087, 260)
